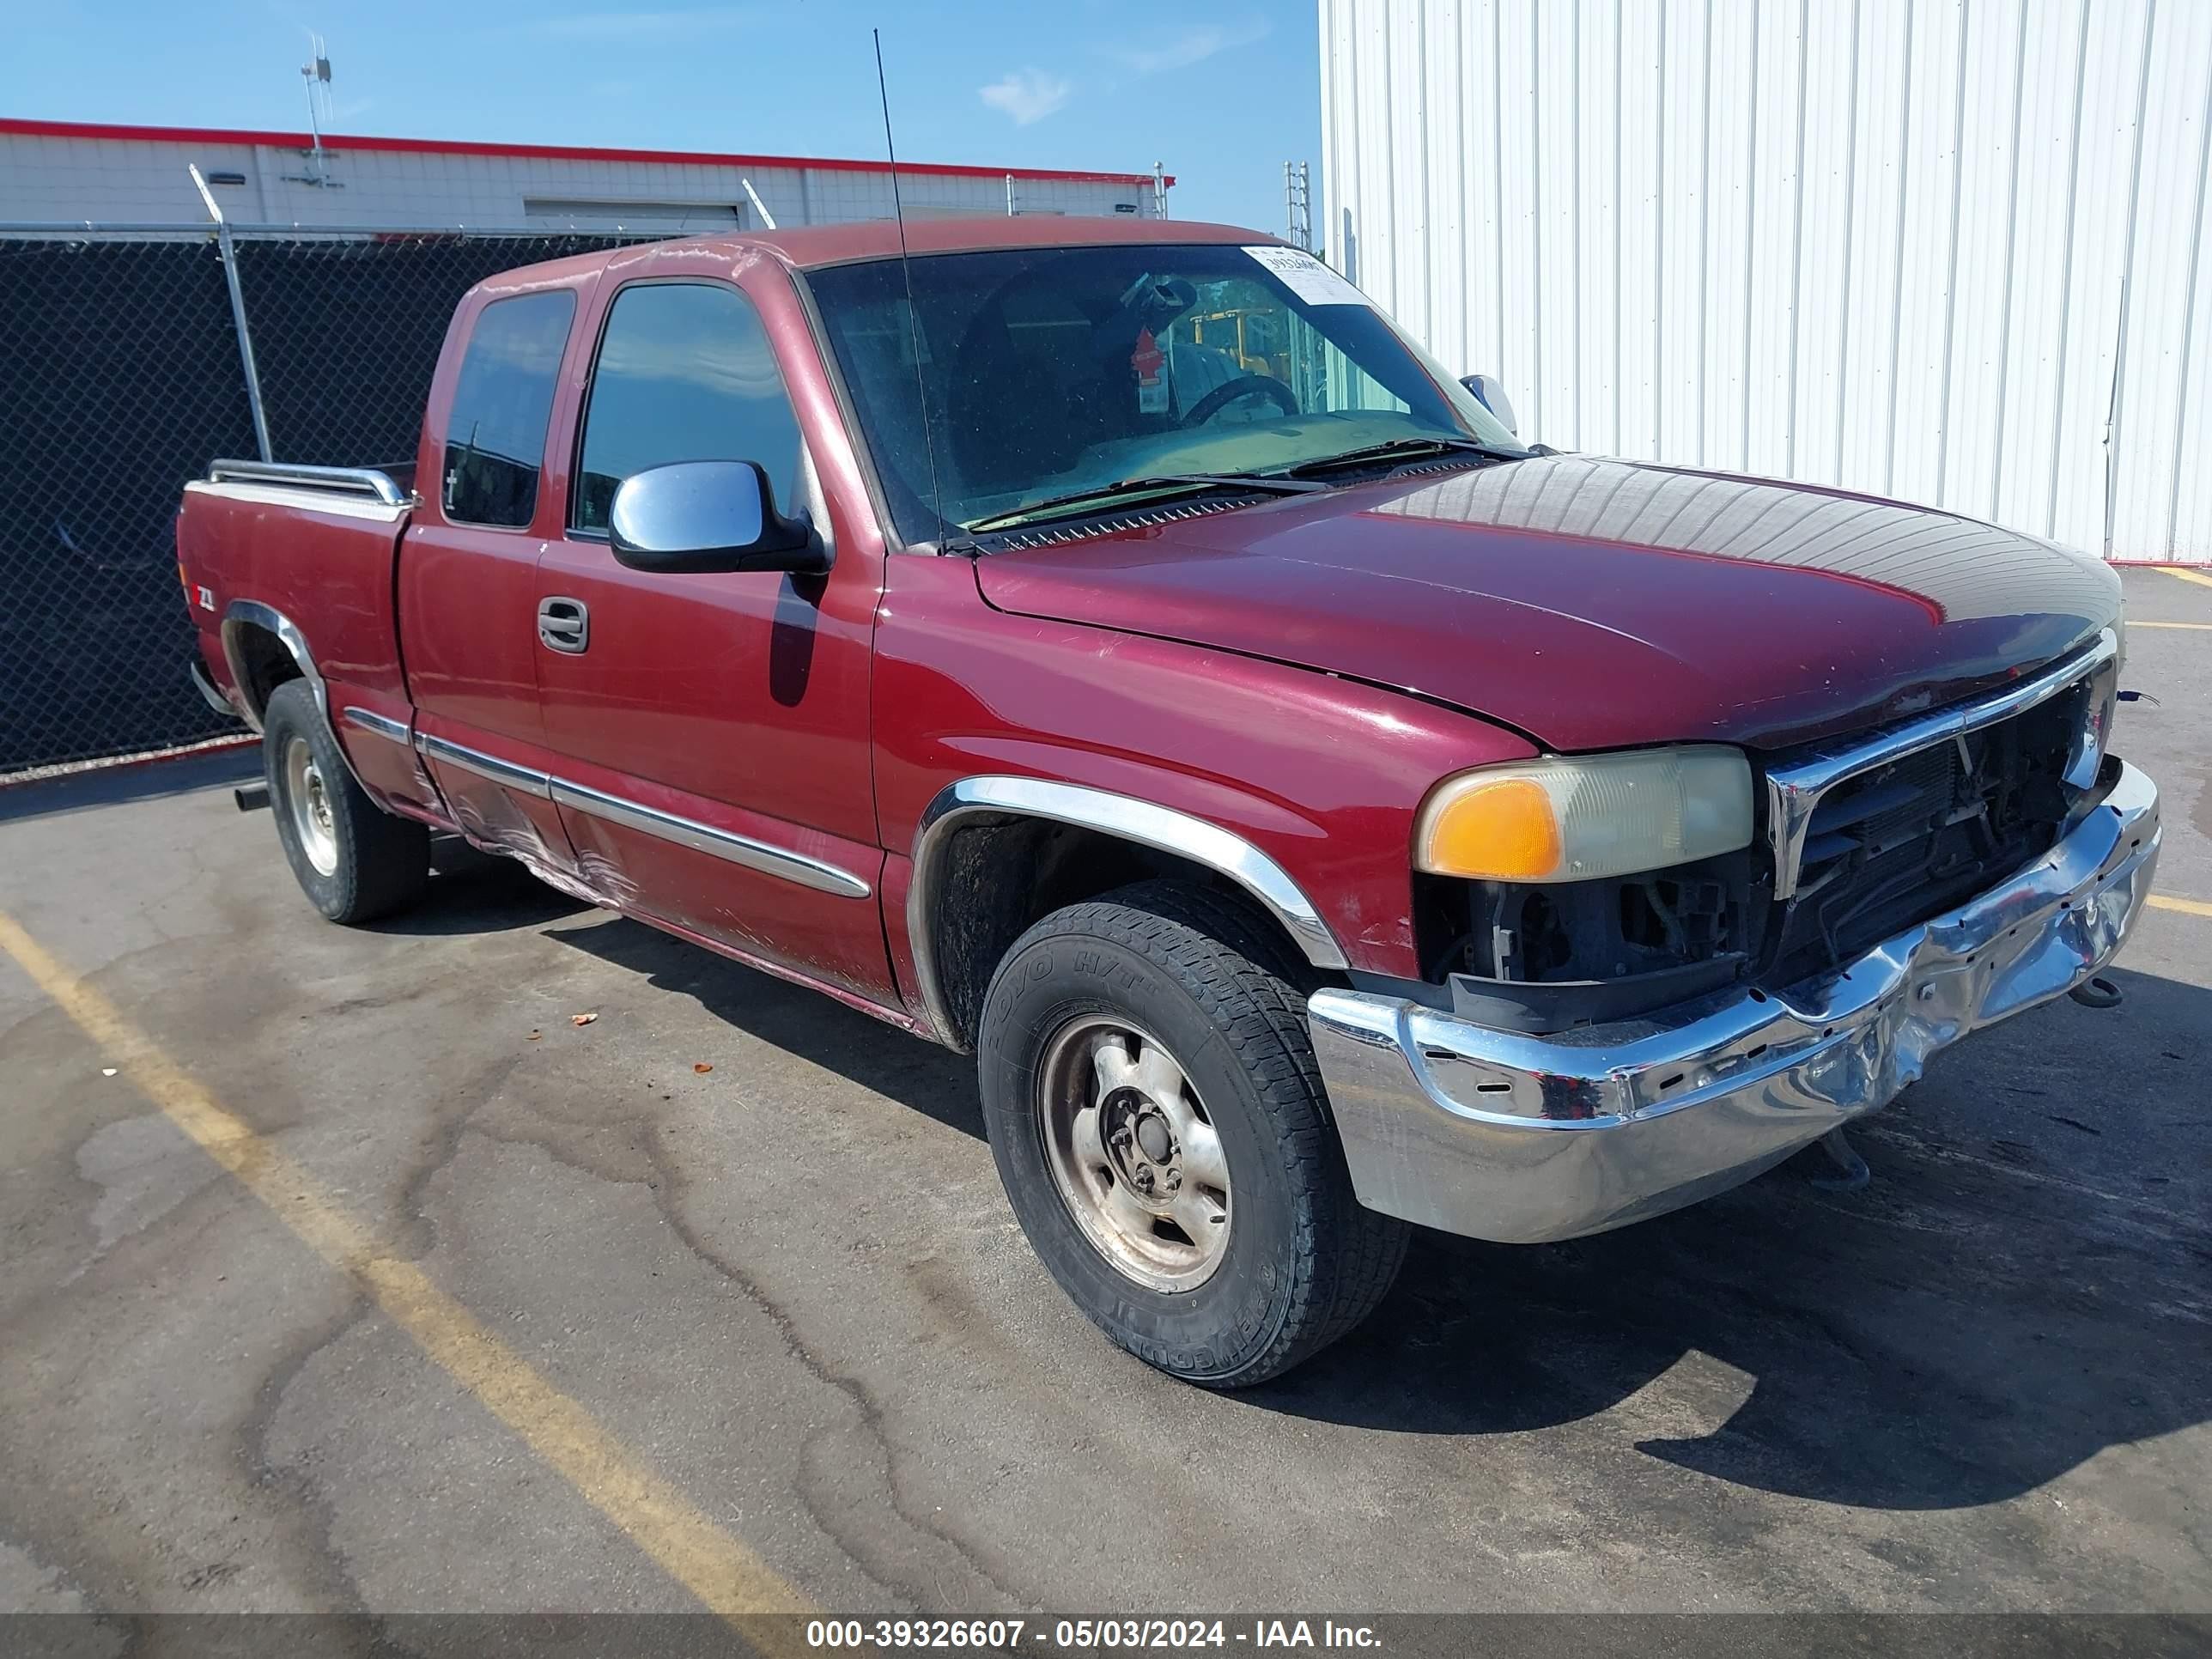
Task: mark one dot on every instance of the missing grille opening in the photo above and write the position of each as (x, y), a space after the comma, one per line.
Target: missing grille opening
(1906, 840)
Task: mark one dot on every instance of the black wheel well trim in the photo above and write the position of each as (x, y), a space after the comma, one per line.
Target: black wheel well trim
(974, 801)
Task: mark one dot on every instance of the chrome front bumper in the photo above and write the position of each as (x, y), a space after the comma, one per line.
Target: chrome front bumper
(1499, 1135)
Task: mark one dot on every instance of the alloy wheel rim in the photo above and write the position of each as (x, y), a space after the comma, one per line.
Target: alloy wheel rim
(309, 800)
(1134, 1153)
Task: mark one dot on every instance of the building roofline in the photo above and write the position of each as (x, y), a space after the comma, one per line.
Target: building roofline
(30, 129)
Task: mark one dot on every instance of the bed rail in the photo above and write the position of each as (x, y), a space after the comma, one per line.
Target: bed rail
(340, 480)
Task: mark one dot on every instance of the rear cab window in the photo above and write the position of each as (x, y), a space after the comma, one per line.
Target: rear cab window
(502, 403)
(686, 372)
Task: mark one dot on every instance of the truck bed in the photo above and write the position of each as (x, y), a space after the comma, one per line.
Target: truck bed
(259, 543)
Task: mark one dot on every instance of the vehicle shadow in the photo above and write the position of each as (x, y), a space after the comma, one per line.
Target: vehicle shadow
(477, 892)
(933, 1081)
(2021, 1286)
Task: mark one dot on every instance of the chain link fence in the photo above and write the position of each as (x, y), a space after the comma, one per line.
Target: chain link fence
(121, 378)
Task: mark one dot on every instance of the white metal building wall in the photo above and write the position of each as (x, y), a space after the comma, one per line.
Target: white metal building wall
(1950, 251)
(47, 178)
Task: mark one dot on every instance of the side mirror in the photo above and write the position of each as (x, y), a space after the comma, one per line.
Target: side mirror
(709, 515)
(1492, 396)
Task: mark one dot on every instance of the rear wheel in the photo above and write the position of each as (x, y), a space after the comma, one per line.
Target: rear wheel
(1159, 1122)
(354, 861)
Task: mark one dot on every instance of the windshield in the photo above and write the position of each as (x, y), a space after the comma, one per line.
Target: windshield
(1056, 371)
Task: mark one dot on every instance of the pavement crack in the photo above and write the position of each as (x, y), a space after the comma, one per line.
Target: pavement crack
(832, 1510)
(436, 1149)
(322, 1563)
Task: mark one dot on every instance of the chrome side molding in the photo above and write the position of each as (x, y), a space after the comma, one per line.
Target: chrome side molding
(718, 843)
(521, 779)
(377, 726)
(725, 844)
(1124, 817)
(1793, 792)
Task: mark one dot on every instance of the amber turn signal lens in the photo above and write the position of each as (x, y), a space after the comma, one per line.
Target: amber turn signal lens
(1505, 828)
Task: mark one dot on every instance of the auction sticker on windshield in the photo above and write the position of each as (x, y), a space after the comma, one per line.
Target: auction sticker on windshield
(1307, 277)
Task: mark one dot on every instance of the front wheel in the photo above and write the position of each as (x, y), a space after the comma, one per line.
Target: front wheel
(352, 859)
(1157, 1120)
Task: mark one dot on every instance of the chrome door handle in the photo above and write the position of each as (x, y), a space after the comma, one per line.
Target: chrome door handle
(563, 624)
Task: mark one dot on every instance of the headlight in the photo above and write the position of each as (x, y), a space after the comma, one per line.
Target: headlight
(1573, 819)
(2094, 736)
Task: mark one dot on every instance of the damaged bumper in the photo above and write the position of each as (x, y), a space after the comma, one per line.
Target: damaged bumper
(1499, 1135)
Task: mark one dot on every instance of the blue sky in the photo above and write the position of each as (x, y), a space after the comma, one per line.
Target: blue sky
(1223, 94)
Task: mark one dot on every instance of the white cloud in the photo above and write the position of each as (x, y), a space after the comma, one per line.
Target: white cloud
(1027, 95)
(1192, 45)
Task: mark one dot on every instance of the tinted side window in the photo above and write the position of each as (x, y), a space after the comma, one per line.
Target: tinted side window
(684, 373)
(496, 441)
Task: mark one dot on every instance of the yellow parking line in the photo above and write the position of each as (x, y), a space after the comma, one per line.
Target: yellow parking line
(2197, 576)
(718, 1569)
(2187, 907)
(2202, 628)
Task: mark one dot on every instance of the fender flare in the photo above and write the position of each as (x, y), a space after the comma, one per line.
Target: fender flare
(252, 613)
(1124, 817)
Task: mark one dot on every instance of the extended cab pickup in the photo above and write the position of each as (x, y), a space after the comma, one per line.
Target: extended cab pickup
(1116, 649)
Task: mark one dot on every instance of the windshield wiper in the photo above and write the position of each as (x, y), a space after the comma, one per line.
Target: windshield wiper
(1167, 485)
(1398, 447)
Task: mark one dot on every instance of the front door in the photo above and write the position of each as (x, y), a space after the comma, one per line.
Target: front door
(710, 732)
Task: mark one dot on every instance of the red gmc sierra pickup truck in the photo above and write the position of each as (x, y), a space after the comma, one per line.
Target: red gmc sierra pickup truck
(1115, 648)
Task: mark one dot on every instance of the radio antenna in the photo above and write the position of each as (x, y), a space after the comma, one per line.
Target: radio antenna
(913, 317)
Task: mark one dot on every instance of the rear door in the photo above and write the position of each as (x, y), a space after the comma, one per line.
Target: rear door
(468, 576)
(710, 732)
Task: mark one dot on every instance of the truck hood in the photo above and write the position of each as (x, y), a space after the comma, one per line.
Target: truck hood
(1592, 604)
